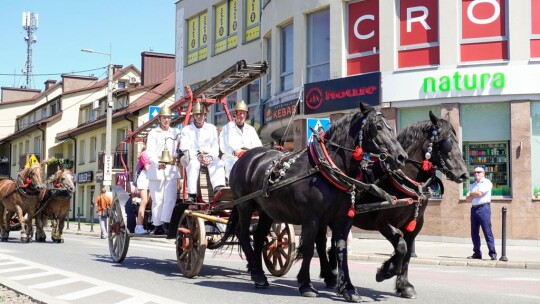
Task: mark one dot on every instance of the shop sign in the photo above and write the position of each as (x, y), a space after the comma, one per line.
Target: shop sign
(280, 111)
(85, 177)
(460, 82)
(342, 94)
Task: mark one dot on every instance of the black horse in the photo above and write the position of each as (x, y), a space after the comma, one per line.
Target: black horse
(312, 187)
(431, 145)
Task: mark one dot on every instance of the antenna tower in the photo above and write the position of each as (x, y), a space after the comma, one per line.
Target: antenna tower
(30, 25)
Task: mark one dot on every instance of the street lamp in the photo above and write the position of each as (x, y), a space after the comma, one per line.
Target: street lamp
(107, 163)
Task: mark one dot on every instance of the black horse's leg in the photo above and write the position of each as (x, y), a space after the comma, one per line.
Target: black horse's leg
(403, 287)
(309, 232)
(392, 266)
(328, 261)
(245, 212)
(345, 286)
(259, 238)
(4, 223)
(60, 229)
(40, 233)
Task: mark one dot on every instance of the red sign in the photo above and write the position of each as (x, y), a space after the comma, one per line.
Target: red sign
(535, 28)
(363, 36)
(481, 19)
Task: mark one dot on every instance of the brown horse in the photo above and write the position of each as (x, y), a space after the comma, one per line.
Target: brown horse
(20, 196)
(55, 205)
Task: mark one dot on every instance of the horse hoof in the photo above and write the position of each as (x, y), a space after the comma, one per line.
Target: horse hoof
(407, 292)
(3, 239)
(308, 291)
(25, 240)
(379, 277)
(260, 280)
(60, 241)
(265, 285)
(352, 296)
(41, 240)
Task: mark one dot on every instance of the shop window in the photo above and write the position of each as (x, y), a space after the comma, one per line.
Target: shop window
(286, 69)
(535, 147)
(318, 46)
(485, 144)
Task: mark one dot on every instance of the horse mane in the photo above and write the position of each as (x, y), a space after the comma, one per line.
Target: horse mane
(33, 170)
(339, 131)
(413, 136)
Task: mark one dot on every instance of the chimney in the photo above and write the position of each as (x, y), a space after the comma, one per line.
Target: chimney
(49, 83)
(116, 68)
(156, 66)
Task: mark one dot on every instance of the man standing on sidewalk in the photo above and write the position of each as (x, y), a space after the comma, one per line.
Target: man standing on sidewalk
(480, 197)
(103, 204)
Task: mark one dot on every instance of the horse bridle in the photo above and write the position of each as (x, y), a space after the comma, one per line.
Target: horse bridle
(440, 146)
(24, 187)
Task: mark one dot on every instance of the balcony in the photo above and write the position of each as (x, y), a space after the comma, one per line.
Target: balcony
(117, 159)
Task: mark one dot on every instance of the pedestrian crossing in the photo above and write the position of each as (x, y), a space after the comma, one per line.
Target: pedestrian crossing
(52, 285)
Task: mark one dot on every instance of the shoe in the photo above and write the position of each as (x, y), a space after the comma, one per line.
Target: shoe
(191, 199)
(158, 230)
(102, 236)
(217, 188)
(475, 257)
(493, 257)
(139, 229)
(166, 228)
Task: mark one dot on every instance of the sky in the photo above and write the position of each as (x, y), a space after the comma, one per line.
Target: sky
(127, 27)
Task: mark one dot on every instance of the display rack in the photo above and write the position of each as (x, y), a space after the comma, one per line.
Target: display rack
(493, 157)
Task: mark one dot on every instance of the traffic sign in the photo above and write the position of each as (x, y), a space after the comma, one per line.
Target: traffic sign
(153, 111)
(107, 167)
(32, 160)
(316, 123)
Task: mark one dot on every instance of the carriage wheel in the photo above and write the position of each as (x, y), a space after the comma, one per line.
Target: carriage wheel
(190, 245)
(279, 252)
(118, 235)
(214, 238)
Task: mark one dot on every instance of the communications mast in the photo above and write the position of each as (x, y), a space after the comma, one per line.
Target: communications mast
(30, 25)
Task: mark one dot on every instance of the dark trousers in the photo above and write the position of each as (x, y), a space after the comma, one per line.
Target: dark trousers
(481, 217)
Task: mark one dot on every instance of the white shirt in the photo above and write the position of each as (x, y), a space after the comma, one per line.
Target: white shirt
(204, 139)
(155, 143)
(233, 138)
(483, 186)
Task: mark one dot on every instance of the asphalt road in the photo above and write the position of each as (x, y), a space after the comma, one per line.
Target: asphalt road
(80, 271)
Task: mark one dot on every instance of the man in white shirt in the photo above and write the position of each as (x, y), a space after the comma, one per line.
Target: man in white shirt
(162, 177)
(480, 197)
(200, 145)
(237, 137)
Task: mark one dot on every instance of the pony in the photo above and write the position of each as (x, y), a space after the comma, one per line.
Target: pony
(19, 197)
(310, 188)
(431, 145)
(55, 205)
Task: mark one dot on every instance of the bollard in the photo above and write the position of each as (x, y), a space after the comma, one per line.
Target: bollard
(92, 217)
(413, 249)
(79, 218)
(503, 249)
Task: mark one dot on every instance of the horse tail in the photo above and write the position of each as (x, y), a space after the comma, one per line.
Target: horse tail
(232, 223)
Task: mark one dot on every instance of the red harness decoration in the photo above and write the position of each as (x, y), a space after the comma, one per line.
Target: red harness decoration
(358, 153)
(28, 182)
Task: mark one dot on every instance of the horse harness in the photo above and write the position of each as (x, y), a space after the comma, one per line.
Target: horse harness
(53, 192)
(19, 187)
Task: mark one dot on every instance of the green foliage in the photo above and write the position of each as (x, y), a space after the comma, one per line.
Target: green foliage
(65, 163)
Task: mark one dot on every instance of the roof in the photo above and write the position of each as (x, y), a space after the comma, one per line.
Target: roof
(104, 81)
(31, 128)
(154, 92)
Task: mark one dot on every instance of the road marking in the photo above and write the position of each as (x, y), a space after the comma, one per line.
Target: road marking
(518, 279)
(83, 293)
(133, 300)
(30, 276)
(54, 283)
(16, 269)
(522, 296)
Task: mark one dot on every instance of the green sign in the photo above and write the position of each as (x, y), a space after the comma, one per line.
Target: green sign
(459, 82)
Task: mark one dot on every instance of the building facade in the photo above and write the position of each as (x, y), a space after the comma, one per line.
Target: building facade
(473, 62)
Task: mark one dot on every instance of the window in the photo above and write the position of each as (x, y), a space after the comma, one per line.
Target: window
(37, 145)
(197, 32)
(318, 46)
(535, 147)
(121, 85)
(103, 140)
(268, 48)
(484, 30)
(253, 20)
(14, 156)
(44, 112)
(418, 33)
(220, 118)
(286, 70)
(26, 147)
(82, 152)
(93, 150)
(226, 21)
(70, 150)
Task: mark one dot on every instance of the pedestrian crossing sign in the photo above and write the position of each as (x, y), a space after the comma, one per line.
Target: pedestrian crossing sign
(32, 160)
(315, 124)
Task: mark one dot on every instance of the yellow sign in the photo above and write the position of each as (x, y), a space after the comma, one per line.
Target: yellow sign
(253, 20)
(32, 160)
(221, 21)
(193, 34)
(203, 38)
(233, 17)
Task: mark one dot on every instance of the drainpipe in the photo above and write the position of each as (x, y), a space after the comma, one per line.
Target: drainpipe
(74, 171)
(130, 147)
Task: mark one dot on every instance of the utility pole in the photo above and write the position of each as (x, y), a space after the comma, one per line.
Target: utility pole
(108, 160)
(29, 24)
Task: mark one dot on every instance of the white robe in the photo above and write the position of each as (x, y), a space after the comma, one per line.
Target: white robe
(232, 139)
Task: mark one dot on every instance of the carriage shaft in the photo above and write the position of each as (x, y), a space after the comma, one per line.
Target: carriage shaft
(206, 216)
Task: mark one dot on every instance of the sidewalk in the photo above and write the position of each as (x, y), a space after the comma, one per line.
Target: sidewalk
(446, 251)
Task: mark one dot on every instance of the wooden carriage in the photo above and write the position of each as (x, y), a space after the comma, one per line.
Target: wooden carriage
(201, 226)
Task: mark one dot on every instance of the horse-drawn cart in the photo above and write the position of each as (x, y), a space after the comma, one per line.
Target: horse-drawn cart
(202, 225)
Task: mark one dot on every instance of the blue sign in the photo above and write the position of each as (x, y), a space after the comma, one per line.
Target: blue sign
(315, 123)
(153, 111)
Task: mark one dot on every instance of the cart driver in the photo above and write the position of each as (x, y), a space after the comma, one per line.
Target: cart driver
(162, 178)
(200, 144)
(237, 137)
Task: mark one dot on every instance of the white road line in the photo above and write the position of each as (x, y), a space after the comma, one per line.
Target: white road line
(16, 269)
(54, 283)
(83, 293)
(519, 295)
(133, 300)
(31, 276)
(518, 279)
(7, 263)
